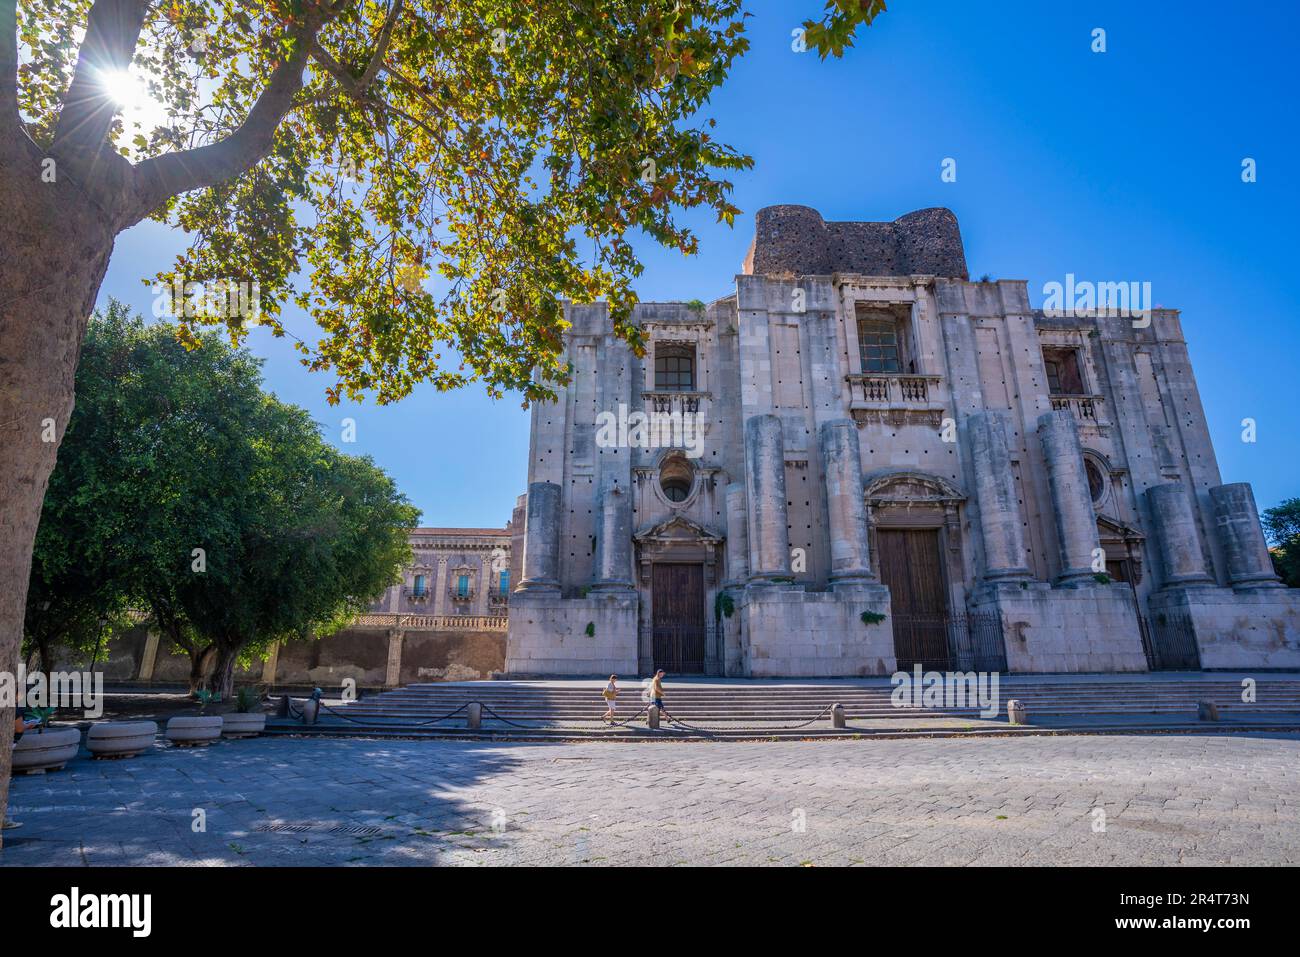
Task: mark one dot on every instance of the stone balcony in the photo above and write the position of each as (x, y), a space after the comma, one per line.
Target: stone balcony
(668, 403)
(1088, 410)
(896, 399)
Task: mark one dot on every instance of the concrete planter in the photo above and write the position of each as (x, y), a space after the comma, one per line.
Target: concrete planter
(238, 724)
(192, 731)
(38, 752)
(120, 739)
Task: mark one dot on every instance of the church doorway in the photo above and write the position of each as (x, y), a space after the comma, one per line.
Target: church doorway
(678, 622)
(911, 565)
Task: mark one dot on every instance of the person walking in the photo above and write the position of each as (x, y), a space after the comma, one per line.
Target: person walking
(657, 690)
(610, 694)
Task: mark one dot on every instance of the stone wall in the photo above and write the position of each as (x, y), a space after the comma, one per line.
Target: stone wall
(796, 240)
(364, 655)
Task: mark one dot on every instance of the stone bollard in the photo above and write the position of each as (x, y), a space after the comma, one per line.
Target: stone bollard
(837, 715)
(282, 710)
(1016, 713)
(474, 716)
(310, 711)
(652, 717)
(1207, 711)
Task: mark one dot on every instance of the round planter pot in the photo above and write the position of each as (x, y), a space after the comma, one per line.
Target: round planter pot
(243, 725)
(38, 752)
(120, 739)
(190, 731)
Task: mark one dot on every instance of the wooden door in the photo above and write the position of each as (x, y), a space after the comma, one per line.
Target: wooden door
(677, 601)
(910, 564)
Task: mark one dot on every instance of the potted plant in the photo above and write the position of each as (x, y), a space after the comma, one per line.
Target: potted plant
(120, 739)
(248, 720)
(200, 729)
(42, 748)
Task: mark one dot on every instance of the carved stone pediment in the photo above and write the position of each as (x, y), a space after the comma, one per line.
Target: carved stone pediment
(677, 528)
(910, 488)
(1118, 529)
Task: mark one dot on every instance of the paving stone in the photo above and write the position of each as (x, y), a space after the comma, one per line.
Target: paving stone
(1168, 800)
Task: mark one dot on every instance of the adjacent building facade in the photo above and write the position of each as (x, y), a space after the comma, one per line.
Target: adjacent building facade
(861, 460)
(445, 621)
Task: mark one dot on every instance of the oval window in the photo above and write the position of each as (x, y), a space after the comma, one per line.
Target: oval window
(676, 478)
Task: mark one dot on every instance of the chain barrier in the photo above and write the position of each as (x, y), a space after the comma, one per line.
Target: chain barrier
(543, 724)
(418, 724)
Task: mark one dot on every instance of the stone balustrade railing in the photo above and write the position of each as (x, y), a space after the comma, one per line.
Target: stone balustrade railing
(1085, 408)
(895, 389)
(686, 403)
(896, 398)
(434, 622)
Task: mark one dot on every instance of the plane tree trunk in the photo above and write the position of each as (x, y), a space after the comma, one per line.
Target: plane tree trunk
(56, 248)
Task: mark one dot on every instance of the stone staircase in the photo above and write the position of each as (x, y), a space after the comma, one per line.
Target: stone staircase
(750, 709)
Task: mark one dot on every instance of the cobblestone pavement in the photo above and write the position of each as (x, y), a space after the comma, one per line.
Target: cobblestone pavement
(1166, 800)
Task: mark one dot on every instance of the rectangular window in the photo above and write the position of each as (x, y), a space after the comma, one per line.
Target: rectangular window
(1063, 376)
(419, 585)
(674, 369)
(462, 586)
(505, 582)
(878, 346)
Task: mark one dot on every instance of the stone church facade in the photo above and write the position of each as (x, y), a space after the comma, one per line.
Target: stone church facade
(861, 460)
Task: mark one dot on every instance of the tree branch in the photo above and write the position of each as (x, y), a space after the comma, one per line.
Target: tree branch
(381, 48)
(9, 120)
(357, 86)
(112, 32)
(160, 178)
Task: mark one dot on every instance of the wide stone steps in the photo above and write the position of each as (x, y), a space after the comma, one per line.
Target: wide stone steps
(786, 704)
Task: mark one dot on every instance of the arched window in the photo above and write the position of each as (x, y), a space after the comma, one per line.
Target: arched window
(1096, 481)
(674, 368)
(878, 345)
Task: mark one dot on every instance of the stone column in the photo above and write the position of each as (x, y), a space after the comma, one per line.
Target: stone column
(149, 658)
(1236, 521)
(614, 540)
(737, 534)
(846, 507)
(1001, 527)
(272, 663)
(1176, 538)
(769, 532)
(542, 538)
(438, 601)
(393, 671)
(484, 584)
(1076, 522)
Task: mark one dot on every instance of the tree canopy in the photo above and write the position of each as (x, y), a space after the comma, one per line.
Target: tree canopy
(187, 492)
(429, 181)
(1282, 526)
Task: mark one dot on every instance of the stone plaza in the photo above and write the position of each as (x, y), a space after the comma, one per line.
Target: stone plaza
(1086, 800)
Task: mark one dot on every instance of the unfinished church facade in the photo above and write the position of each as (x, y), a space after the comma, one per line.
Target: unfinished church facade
(892, 465)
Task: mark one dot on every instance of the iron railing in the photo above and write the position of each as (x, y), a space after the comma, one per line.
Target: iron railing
(1169, 641)
(944, 642)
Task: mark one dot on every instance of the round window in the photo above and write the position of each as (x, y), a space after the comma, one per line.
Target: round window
(676, 477)
(1096, 482)
(676, 491)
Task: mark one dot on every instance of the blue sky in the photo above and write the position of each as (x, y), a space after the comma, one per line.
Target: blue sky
(1123, 165)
